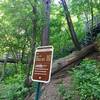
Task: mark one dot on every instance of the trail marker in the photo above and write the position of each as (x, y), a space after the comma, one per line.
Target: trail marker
(42, 64)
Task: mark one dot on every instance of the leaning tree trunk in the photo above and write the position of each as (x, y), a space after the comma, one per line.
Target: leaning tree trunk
(70, 25)
(45, 34)
(31, 58)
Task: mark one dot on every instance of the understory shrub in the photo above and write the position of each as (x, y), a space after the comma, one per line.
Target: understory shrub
(85, 82)
(67, 93)
(86, 78)
(13, 88)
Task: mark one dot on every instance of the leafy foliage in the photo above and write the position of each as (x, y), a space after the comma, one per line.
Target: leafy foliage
(66, 92)
(16, 28)
(87, 79)
(85, 82)
(13, 88)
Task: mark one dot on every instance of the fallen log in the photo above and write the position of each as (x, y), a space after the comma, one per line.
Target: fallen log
(72, 58)
(9, 60)
(65, 61)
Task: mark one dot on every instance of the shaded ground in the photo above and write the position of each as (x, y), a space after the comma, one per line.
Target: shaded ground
(50, 90)
(95, 55)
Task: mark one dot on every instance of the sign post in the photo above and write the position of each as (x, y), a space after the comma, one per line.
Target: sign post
(37, 91)
(42, 66)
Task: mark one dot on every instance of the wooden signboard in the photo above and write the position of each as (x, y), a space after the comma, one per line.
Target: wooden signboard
(42, 64)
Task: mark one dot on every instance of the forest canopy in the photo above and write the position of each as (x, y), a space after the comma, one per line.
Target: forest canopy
(27, 24)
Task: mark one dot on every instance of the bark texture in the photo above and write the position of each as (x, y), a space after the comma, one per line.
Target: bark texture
(61, 63)
(45, 34)
(70, 25)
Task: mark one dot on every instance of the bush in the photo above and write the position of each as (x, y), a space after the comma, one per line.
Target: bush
(85, 84)
(66, 92)
(86, 79)
(13, 88)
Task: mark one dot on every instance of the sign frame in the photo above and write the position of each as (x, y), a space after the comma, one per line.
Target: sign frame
(44, 48)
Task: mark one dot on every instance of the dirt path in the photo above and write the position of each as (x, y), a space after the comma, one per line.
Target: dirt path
(51, 90)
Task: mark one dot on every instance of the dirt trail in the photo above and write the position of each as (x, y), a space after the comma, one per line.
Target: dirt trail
(51, 90)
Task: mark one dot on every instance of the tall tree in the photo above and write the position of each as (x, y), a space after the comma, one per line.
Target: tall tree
(33, 42)
(45, 34)
(70, 25)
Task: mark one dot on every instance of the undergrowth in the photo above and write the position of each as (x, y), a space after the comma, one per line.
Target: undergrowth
(85, 82)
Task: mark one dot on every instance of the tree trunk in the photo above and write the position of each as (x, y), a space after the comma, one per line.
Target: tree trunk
(61, 63)
(31, 58)
(70, 25)
(45, 34)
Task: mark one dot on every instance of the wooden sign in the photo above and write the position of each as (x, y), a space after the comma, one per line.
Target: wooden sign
(42, 64)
